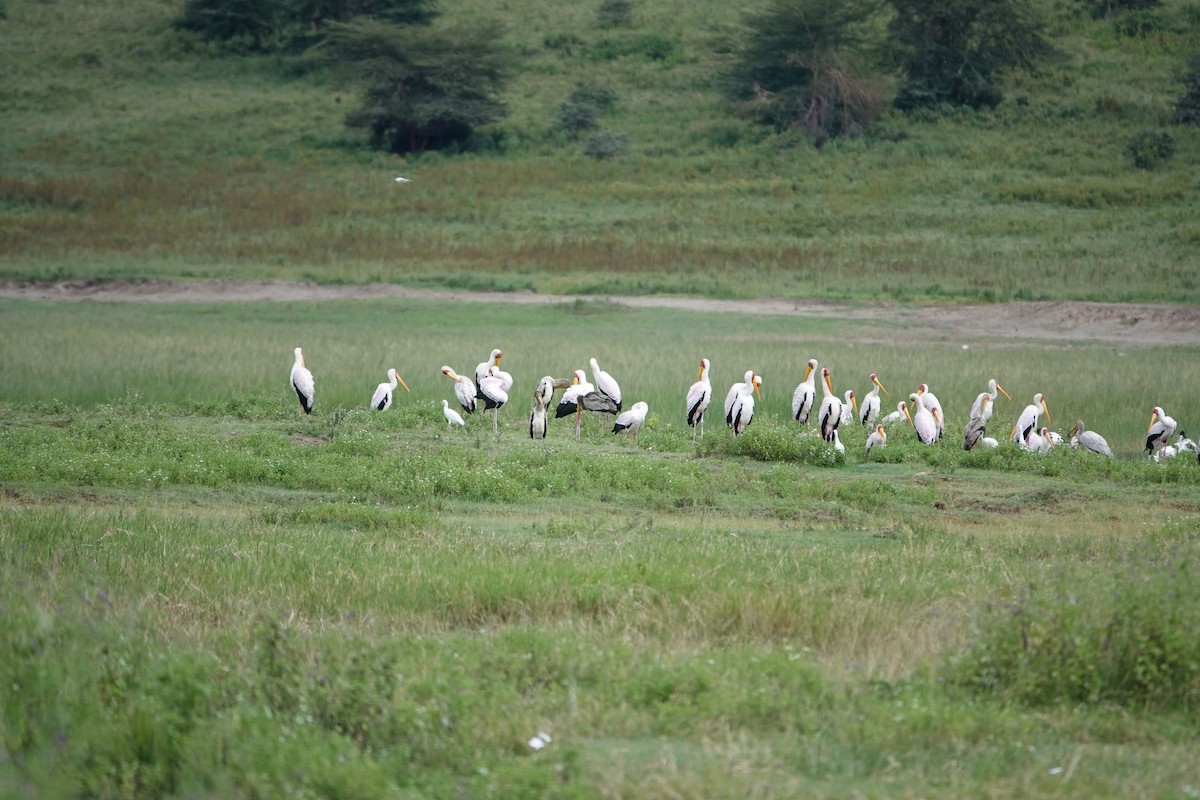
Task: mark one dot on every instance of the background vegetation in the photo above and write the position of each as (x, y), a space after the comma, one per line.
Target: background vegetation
(135, 149)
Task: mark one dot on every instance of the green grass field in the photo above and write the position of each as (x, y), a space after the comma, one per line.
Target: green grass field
(205, 594)
(210, 595)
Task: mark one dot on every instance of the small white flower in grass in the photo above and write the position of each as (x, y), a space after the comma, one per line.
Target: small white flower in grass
(539, 741)
(1056, 770)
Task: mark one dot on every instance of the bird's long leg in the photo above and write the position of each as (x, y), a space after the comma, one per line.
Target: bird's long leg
(578, 416)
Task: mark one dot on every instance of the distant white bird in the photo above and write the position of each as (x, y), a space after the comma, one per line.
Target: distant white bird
(382, 399)
(631, 421)
(464, 389)
(742, 412)
(1158, 434)
(805, 394)
(878, 437)
(897, 415)
(868, 412)
(698, 398)
(494, 395)
(1028, 420)
(923, 421)
(988, 441)
(481, 369)
(571, 401)
(1038, 441)
(452, 417)
(1054, 437)
(303, 383)
(979, 408)
(734, 392)
(1166, 451)
(605, 383)
(1185, 445)
(403, 180)
(830, 414)
(849, 408)
(930, 401)
(837, 442)
(1089, 440)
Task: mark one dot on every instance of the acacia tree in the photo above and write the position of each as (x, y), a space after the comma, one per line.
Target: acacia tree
(424, 87)
(805, 65)
(955, 51)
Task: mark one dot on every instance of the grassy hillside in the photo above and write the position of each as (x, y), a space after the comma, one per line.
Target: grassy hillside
(131, 150)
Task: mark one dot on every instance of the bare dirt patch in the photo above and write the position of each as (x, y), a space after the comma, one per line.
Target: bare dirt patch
(1132, 324)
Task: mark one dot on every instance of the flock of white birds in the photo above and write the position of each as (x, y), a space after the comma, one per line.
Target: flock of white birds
(923, 412)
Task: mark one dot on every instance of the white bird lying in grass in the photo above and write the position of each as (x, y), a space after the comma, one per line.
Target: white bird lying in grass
(452, 417)
(878, 437)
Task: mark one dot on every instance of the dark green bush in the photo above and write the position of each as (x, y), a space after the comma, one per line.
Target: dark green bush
(1150, 148)
(615, 13)
(1187, 107)
(606, 145)
(575, 118)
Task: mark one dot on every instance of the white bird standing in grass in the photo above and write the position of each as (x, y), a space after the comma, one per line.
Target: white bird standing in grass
(1027, 422)
(1089, 440)
(742, 412)
(930, 401)
(868, 412)
(734, 392)
(698, 398)
(805, 394)
(303, 383)
(382, 399)
(830, 414)
(878, 437)
(923, 421)
(849, 408)
(631, 421)
(979, 408)
(837, 442)
(481, 369)
(1158, 434)
(464, 389)
(452, 417)
(494, 396)
(605, 383)
(571, 401)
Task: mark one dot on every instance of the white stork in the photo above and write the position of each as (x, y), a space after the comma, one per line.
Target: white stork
(1161, 429)
(1038, 441)
(1089, 440)
(742, 412)
(464, 389)
(1028, 420)
(382, 399)
(571, 401)
(868, 412)
(930, 401)
(837, 443)
(481, 369)
(698, 398)
(605, 383)
(896, 415)
(849, 408)
(452, 417)
(878, 437)
(494, 396)
(830, 414)
(805, 394)
(303, 383)
(923, 421)
(631, 421)
(979, 408)
(734, 391)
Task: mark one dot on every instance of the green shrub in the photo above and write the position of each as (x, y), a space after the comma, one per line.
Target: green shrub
(575, 118)
(606, 145)
(1187, 107)
(1134, 641)
(615, 13)
(1150, 148)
